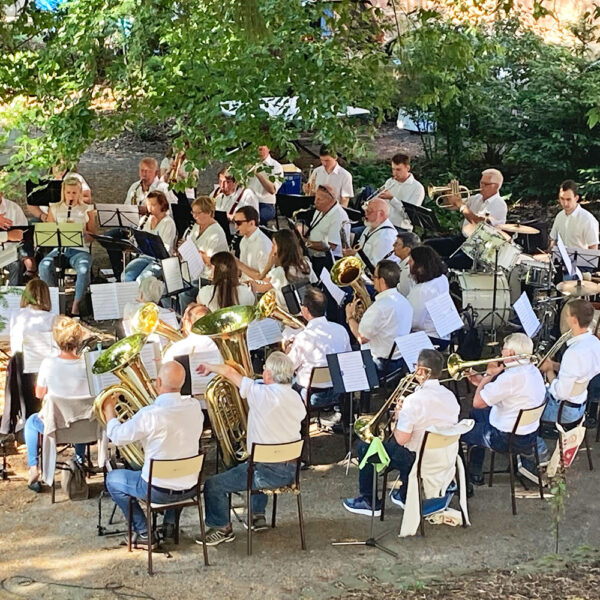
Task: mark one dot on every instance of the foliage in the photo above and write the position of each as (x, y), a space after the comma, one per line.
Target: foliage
(559, 493)
(99, 66)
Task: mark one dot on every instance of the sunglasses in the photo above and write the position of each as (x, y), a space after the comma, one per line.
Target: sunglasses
(239, 222)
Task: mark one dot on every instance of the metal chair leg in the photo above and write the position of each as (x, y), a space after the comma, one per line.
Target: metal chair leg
(274, 515)
(129, 524)
(202, 531)
(149, 524)
(492, 462)
(384, 494)
(249, 518)
(539, 472)
(588, 452)
(511, 468)
(301, 521)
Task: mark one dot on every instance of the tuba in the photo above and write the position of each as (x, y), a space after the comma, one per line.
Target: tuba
(368, 427)
(146, 321)
(134, 391)
(267, 307)
(227, 410)
(348, 271)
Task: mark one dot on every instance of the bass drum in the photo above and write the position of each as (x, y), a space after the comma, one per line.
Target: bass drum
(477, 290)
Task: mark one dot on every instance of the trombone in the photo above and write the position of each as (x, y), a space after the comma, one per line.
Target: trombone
(440, 193)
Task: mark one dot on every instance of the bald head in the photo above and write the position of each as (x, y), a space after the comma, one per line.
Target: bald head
(192, 313)
(170, 377)
(377, 211)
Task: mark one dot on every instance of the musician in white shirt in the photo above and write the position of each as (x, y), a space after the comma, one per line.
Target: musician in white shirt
(402, 187)
(389, 317)
(377, 240)
(157, 222)
(311, 346)
(331, 173)
(431, 405)
(149, 181)
(276, 412)
(235, 196)
(267, 177)
(577, 227)
(405, 242)
(170, 428)
(12, 215)
(255, 246)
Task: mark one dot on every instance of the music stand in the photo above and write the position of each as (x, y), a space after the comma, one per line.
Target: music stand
(110, 243)
(43, 193)
(118, 215)
(150, 244)
(421, 216)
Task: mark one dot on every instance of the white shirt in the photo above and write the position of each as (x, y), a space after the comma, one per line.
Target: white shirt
(64, 377)
(431, 405)
(28, 321)
(194, 344)
(276, 276)
(275, 414)
(169, 428)
(311, 346)
(240, 197)
(326, 227)
(389, 317)
(76, 213)
(577, 230)
(406, 282)
(410, 191)
(339, 179)
(418, 296)
(166, 230)
(274, 173)
(11, 210)
(518, 387)
(579, 364)
(137, 197)
(494, 209)
(378, 242)
(255, 250)
(208, 297)
(211, 241)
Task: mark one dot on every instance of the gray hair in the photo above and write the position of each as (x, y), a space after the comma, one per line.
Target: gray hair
(497, 177)
(409, 239)
(519, 343)
(432, 360)
(151, 289)
(280, 366)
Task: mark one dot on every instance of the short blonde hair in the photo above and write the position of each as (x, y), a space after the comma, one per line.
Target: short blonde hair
(71, 181)
(280, 366)
(204, 204)
(68, 333)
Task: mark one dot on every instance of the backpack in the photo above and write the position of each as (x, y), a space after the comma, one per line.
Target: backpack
(73, 481)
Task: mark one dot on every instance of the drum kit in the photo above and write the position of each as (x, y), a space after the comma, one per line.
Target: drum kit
(502, 271)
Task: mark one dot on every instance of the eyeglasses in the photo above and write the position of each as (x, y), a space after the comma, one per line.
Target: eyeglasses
(322, 188)
(239, 222)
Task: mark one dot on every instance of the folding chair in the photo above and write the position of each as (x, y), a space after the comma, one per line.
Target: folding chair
(275, 453)
(165, 470)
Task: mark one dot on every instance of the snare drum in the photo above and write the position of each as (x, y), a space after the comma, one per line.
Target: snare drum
(483, 243)
(533, 271)
(477, 290)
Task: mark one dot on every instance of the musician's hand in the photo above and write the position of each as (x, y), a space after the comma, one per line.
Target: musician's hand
(351, 308)
(5, 223)
(386, 195)
(203, 369)
(547, 366)
(15, 235)
(455, 201)
(108, 407)
(494, 368)
(307, 188)
(349, 251)
(475, 378)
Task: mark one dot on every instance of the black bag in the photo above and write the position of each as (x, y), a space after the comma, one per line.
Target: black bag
(73, 481)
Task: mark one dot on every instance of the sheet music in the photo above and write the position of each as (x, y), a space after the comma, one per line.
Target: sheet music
(262, 333)
(189, 253)
(150, 356)
(172, 274)
(444, 315)
(54, 301)
(36, 348)
(8, 256)
(104, 301)
(97, 383)
(411, 345)
(126, 292)
(169, 317)
(564, 254)
(337, 293)
(354, 373)
(528, 318)
(199, 382)
(109, 217)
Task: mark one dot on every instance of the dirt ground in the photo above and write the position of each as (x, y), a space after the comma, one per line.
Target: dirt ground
(53, 551)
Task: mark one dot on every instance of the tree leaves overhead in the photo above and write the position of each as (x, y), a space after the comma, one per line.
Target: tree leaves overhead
(98, 66)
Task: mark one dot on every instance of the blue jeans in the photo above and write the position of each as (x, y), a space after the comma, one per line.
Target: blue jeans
(218, 487)
(123, 483)
(33, 426)
(79, 260)
(140, 268)
(401, 458)
(267, 212)
(483, 435)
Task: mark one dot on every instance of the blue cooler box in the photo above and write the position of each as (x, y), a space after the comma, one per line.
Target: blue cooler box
(292, 184)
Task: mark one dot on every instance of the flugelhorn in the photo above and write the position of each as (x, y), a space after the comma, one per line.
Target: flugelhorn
(267, 307)
(348, 271)
(440, 193)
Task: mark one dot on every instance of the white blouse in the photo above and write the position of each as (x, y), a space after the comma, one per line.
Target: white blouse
(205, 296)
(166, 229)
(210, 241)
(28, 321)
(418, 296)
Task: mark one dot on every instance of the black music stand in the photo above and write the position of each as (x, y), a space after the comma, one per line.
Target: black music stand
(287, 204)
(110, 243)
(43, 193)
(421, 217)
(182, 215)
(150, 244)
(111, 215)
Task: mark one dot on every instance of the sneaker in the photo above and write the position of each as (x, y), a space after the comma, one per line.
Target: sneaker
(362, 506)
(259, 523)
(527, 469)
(141, 540)
(396, 498)
(333, 418)
(215, 536)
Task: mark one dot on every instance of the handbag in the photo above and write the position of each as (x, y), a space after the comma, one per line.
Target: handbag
(73, 481)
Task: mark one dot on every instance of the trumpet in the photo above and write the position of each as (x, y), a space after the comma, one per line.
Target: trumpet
(375, 194)
(440, 193)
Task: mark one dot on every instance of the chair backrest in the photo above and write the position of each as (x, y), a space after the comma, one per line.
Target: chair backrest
(578, 388)
(275, 453)
(528, 416)
(434, 441)
(177, 467)
(83, 431)
(320, 376)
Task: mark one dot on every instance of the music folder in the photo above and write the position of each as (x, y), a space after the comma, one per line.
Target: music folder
(352, 371)
(61, 235)
(43, 193)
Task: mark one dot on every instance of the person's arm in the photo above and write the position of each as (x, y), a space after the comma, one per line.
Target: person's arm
(401, 437)
(267, 184)
(90, 226)
(224, 370)
(40, 391)
(132, 430)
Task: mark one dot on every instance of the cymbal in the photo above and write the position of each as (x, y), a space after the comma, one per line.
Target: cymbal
(518, 228)
(576, 289)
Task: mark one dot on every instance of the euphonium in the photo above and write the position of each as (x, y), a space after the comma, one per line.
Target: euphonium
(348, 271)
(227, 410)
(267, 307)
(146, 321)
(135, 391)
(367, 427)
